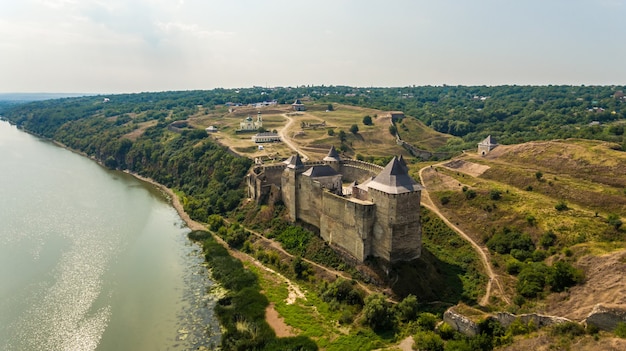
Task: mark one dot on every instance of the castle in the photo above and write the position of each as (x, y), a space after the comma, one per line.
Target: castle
(361, 208)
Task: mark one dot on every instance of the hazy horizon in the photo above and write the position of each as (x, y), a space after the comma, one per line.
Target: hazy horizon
(96, 47)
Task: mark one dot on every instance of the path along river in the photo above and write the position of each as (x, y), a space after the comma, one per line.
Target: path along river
(92, 259)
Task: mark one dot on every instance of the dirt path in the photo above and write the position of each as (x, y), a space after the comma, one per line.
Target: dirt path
(286, 140)
(493, 278)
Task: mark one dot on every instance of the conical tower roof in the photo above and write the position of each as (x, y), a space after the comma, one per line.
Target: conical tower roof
(294, 162)
(394, 179)
(403, 163)
(489, 140)
(333, 155)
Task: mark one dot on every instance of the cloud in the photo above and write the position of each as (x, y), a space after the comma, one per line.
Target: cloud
(173, 28)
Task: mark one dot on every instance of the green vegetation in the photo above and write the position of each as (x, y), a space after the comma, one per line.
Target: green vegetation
(242, 310)
(354, 129)
(620, 330)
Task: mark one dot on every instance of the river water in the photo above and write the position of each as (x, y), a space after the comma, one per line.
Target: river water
(92, 259)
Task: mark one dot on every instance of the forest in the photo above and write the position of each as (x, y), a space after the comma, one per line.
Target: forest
(513, 114)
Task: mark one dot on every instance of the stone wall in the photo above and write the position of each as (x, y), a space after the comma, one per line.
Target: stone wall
(358, 171)
(406, 242)
(460, 323)
(539, 320)
(606, 317)
(309, 200)
(347, 224)
(468, 325)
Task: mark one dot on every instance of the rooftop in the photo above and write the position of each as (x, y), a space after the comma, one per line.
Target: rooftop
(394, 179)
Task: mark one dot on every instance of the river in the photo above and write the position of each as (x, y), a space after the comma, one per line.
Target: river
(92, 259)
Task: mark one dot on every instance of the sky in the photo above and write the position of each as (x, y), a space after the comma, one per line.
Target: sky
(123, 46)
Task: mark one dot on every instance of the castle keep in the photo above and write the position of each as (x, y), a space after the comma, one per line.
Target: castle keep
(364, 209)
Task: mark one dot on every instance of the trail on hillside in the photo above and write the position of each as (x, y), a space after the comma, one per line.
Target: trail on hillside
(286, 140)
(493, 278)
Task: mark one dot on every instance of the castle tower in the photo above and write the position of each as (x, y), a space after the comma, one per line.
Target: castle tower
(485, 146)
(397, 233)
(289, 185)
(259, 121)
(333, 159)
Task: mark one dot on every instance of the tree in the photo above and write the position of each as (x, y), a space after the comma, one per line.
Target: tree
(538, 175)
(377, 311)
(392, 130)
(330, 107)
(564, 275)
(354, 129)
(342, 136)
(367, 120)
(331, 132)
(408, 308)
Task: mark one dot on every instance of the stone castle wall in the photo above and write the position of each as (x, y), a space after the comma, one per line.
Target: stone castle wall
(347, 224)
(382, 225)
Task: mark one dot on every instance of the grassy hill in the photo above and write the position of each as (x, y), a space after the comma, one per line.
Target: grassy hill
(570, 190)
(371, 141)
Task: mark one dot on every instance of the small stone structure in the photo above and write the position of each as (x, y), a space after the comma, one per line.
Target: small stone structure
(460, 323)
(606, 317)
(298, 105)
(377, 214)
(485, 146)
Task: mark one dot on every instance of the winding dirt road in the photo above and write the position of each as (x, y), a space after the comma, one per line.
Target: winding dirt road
(286, 140)
(493, 278)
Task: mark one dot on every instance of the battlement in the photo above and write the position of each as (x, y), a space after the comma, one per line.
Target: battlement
(380, 218)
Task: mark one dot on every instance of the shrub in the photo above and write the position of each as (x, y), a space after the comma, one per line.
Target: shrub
(532, 279)
(620, 330)
(367, 120)
(561, 206)
(215, 222)
(428, 341)
(354, 129)
(538, 175)
(407, 309)
(519, 328)
(470, 194)
(570, 329)
(427, 321)
(342, 290)
(377, 312)
(393, 130)
(495, 194)
(445, 200)
(564, 275)
(507, 240)
(539, 255)
(513, 266)
(446, 331)
(299, 266)
(547, 239)
(614, 220)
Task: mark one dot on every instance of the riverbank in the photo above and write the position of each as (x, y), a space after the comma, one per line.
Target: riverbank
(174, 200)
